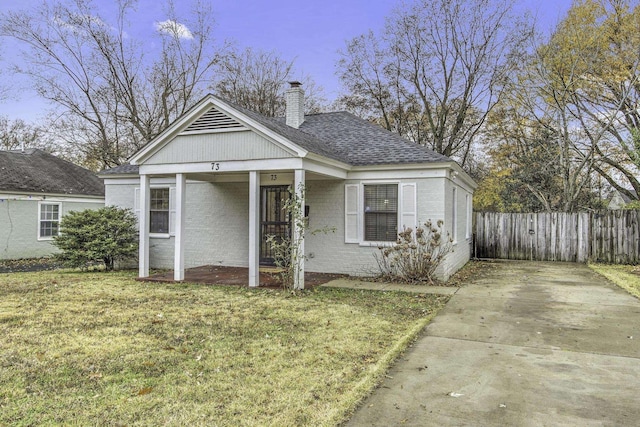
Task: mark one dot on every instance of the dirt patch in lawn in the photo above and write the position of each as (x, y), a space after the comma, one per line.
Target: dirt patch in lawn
(238, 276)
(28, 265)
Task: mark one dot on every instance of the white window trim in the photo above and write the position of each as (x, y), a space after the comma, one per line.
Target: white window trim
(172, 210)
(364, 242)
(46, 202)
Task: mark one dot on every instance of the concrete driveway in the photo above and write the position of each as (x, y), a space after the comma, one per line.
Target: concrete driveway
(526, 344)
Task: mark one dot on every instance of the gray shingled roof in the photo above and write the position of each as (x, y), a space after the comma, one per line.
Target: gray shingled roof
(121, 170)
(306, 140)
(339, 136)
(35, 171)
(345, 137)
(362, 143)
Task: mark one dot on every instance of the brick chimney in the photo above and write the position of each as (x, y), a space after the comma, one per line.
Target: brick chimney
(294, 99)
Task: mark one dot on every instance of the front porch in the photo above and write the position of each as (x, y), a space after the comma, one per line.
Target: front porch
(260, 211)
(236, 276)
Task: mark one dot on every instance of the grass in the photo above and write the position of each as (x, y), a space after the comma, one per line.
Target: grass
(625, 276)
(102, 348)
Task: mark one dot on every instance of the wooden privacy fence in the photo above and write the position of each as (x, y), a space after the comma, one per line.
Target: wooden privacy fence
(610, 236)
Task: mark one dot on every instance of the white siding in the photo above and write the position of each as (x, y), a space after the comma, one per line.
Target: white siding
(19, 226)
(217, 147)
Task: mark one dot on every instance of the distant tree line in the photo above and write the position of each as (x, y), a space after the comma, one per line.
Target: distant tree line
(542, 122)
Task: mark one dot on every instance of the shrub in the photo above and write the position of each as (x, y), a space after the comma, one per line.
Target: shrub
(106, 235)
(414, 258)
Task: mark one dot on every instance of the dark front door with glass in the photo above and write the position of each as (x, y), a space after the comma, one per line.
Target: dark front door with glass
(274, 220)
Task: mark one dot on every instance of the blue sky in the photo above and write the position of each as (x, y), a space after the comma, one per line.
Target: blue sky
(311, 32)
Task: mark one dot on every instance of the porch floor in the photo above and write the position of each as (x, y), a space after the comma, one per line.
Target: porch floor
(238, 276)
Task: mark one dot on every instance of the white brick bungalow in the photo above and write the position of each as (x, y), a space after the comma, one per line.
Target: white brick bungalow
(209, 188)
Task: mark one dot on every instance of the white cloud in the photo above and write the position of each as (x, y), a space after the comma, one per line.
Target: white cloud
(173, 28)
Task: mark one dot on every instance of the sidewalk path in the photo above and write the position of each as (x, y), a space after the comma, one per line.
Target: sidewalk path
(527, 344)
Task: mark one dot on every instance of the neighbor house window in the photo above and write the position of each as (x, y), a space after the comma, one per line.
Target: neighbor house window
(159, 218)
(49, 220)
(381, 212)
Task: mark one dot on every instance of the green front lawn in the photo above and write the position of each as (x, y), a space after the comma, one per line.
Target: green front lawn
(103, 349)
(625, 276)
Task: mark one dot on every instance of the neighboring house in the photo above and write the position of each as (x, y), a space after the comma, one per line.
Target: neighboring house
(618, 200)
(209, 189)
(36, 191)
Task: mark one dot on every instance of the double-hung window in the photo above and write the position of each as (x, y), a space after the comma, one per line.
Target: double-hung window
(376, 211)
(48, 220)
(162, 210)
(381, 212)
(159, 211)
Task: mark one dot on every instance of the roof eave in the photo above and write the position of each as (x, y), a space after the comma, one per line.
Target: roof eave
(396, 166)
(328, 161)
(117, 175)
(450, 164)
(51, 194)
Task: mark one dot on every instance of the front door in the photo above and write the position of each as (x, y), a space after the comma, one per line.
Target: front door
(273, 219)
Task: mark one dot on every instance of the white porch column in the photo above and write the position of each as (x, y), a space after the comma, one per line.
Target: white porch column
(298, 231)
(178, 262)
(143, 245)
(254, 228)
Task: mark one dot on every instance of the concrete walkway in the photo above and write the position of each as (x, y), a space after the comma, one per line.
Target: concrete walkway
(526, 344)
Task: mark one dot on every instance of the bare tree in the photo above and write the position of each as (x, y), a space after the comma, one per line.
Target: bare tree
(17, 134)
(257, 80)
(436, 70)
(114, 95)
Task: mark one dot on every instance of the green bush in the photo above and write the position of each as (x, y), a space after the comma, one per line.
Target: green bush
(105, 235)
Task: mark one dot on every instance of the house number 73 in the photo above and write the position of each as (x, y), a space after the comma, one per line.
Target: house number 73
(215, 166)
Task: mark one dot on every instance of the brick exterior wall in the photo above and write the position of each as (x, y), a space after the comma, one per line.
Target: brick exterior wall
(294, 98)
(462, 244)
(329, 253)
(216, 224)
(217, 220)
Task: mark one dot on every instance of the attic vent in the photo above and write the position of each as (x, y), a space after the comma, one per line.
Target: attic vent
(212, 120)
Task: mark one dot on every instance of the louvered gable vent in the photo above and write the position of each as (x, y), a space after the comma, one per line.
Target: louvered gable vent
(213, 120)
